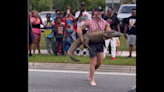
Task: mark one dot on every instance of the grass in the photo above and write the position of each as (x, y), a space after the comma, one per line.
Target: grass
(83, 60)
(123, 44)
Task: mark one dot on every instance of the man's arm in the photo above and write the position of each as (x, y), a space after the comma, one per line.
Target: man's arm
(79, 31)
(77, 18)
(107, 27)
(125, 29)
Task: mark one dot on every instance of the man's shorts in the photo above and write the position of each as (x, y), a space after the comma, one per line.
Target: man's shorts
(96, 48)
(131, 40)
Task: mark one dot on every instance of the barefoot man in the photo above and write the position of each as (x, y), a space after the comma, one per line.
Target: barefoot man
(96, 55)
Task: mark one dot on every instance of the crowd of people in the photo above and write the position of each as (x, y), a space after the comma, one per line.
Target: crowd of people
(68, 26)
(65, 31)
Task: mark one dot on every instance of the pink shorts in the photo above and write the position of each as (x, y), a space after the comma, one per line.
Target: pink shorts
(37, 36)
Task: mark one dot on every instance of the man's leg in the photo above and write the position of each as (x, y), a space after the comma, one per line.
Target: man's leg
(85, 48)
(131, 41)
(48, 44)
(130, 50)
(56, 46)
(106, 44)
(62, 46)
(93, 57)
(113, 48)
(92, 70)
(53, 44)
(78, 49)
(99, 59)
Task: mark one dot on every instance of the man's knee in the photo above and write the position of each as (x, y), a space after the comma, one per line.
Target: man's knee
(93, 61)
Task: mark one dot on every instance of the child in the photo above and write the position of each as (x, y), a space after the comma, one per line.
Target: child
(48, 33)
(60, 35)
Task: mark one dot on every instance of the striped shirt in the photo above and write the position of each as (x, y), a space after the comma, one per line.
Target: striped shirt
(94, 26)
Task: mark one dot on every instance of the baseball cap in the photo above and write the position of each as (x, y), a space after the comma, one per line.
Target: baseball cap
(82, 4)
(98, 9)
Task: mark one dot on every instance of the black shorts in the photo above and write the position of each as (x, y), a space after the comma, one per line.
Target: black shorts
(96, 48)
(30, 38)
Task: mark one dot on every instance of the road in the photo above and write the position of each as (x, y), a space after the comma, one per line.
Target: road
(76, 81)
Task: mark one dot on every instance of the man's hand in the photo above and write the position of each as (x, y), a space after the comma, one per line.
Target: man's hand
(82, 10)
(82, 41)
(125, 36)
(63, 39)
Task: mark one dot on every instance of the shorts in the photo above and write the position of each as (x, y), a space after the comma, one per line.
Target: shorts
(30, 38)
(96, 48)
(37, 36)
(131, 40)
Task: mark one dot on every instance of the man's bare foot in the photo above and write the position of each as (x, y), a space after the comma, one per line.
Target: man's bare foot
(93, 83)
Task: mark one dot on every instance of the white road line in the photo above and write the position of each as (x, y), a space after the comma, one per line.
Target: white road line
(65, 71)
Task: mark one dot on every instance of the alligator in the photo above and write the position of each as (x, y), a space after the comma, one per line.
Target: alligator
(92, 37)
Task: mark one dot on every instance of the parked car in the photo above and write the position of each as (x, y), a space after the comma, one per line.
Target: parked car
(123, 13)
(43, 17)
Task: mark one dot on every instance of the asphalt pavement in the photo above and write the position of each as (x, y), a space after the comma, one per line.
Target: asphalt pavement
(76, 81)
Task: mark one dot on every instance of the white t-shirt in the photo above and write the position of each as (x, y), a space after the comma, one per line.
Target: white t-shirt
(85, 16)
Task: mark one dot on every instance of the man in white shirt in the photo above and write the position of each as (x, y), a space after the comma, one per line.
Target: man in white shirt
(80, 18)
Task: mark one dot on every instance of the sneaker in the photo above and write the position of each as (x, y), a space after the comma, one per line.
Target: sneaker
(113, 58)
(117, 52)
(129, 56)
(78, 54)
(31, 55)
(84, 53)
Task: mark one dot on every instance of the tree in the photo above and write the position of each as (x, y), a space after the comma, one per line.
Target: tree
(44, 5)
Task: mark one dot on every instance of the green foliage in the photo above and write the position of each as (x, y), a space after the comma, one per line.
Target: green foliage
(39, 5)
(44, 5)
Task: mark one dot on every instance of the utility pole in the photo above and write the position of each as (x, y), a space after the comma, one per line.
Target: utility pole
(50, 5)
(112, 4)
(121, 2)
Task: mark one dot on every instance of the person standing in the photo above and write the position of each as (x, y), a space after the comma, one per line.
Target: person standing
(30, 37)
(48, 33)
(81, 17)
(131, 27)
(114, 25)
(57, 12)
(96, 55)
(71, 29)
(36, 20)
(60, 35)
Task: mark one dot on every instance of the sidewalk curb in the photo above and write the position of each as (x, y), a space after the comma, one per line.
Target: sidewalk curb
(121, 54)
(82, 67)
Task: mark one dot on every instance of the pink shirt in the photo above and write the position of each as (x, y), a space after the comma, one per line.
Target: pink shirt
(36, 30)
(94, 26)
